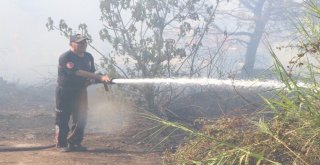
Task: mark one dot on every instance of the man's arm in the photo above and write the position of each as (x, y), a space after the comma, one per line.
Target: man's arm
(89, 75)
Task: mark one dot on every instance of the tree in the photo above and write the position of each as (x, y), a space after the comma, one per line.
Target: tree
(160, 38)
(254, 19)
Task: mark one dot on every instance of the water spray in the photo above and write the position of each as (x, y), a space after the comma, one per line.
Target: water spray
(204, 81)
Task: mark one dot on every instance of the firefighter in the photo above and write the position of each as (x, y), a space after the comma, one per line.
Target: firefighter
(75, 72)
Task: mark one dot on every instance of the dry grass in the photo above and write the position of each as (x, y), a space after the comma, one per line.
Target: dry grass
(241, 140)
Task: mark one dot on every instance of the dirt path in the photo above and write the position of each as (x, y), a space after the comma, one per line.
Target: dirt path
(93, 156)
(101, 155)
(106, 145)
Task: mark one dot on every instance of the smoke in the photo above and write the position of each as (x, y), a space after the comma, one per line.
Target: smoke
(108, 113)
(28, 52)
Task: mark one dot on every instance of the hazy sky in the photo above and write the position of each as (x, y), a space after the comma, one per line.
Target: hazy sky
(28, 52)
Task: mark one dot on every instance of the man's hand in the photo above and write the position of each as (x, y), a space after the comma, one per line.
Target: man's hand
(104, 78)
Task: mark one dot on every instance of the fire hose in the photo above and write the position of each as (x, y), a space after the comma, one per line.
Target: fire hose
(34, 148)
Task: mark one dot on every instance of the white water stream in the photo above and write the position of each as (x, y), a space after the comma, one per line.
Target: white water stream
(204, 81)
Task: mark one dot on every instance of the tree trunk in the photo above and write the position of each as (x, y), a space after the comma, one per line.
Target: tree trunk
(251, 52)
(255, 38)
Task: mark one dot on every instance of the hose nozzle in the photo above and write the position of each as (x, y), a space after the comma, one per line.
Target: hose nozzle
(111, 81)
(105, 85)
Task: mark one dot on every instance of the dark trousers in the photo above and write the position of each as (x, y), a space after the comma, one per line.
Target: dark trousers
(70, 103)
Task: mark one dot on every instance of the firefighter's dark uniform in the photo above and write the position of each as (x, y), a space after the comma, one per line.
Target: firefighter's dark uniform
(71, 98)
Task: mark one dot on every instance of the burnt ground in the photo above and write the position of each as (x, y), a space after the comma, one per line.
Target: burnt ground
(110, 134)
